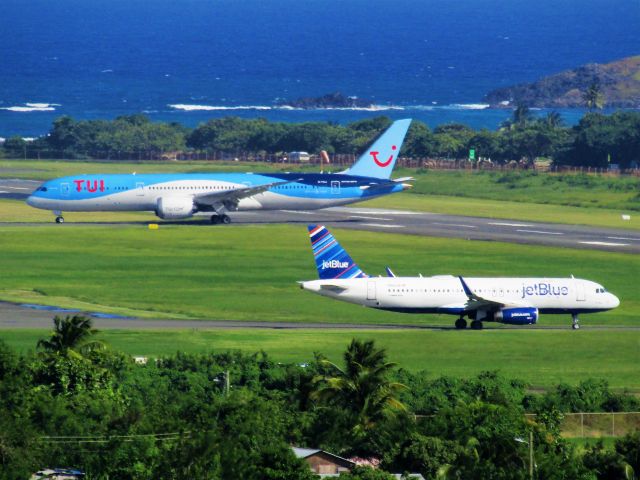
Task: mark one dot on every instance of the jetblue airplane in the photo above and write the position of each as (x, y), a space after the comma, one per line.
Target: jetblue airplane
(515, 301)
(181, 195)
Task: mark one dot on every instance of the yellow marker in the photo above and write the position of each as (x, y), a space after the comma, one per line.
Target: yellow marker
(153, 226)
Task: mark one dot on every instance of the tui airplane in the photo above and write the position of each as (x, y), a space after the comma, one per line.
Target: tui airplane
(181, 195)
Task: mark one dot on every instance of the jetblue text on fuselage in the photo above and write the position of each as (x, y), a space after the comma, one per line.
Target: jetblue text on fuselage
(542, 289)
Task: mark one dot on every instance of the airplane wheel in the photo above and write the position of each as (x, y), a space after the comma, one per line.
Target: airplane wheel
(215, 219)
(59, 219)
(476, 325)
(226, 219)
(461, 323)
(576, 322)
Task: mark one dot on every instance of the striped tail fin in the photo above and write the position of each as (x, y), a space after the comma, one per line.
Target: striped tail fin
(332, 261)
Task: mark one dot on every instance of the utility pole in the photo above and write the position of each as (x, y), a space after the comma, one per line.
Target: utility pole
(530, 454)
(227, 383)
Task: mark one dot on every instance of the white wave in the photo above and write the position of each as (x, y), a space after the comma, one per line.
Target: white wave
(372, 108)
(42, 105)
(422, 107)
(193, 108)
(470, 106)
(32, 107)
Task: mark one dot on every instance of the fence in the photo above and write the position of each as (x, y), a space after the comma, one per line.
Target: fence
(338, 161)
(589, 424)
(610, 424)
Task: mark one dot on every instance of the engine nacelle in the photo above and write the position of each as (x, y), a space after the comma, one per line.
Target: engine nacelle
(517, 315)
(175, 207)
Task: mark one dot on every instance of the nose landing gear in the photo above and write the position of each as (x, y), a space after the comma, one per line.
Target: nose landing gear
(576, 321)
(59, 217)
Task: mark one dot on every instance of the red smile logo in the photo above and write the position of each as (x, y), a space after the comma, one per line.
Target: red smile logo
(378, 162)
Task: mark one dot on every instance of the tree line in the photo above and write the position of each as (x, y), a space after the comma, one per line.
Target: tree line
(77, 402)
(596, 141)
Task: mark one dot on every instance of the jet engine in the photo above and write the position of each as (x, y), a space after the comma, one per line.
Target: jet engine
(175, 207)
(517, 315)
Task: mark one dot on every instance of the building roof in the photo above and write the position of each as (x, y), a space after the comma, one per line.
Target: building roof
(304, 452)
(308, 452)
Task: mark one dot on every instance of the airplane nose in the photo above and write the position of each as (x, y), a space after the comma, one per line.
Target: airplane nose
(30, 200)
(615, 301)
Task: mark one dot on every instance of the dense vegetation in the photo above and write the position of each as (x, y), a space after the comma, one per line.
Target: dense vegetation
(596, 141)
(229, 415)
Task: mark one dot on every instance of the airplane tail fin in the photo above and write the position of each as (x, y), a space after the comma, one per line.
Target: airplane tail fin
(332, 261)
(380, 158)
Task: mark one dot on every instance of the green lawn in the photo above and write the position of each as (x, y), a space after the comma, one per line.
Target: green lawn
(47, 169)
(572, 199)
(542, 358)
(529, 212)
(250, 272)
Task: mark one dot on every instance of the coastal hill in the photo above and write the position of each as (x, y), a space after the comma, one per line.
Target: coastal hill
(618, 83)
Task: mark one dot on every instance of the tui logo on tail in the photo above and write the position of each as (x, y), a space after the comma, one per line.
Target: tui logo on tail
(378, 162)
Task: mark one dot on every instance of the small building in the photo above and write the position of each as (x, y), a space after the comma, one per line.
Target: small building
(322, 462)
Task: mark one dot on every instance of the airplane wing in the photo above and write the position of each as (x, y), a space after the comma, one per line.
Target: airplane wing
(232, 197)
(476, 302)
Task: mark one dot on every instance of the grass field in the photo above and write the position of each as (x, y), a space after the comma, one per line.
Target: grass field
(542, 358)
(250, 272)
(572, 199)
(530, 212)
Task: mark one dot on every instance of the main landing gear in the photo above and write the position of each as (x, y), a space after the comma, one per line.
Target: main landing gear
(217, 219)
(461, 324)
(576, 321)
(476, 325)
(59, 217)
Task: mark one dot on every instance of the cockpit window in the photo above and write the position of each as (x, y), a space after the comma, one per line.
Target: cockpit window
(42, 189)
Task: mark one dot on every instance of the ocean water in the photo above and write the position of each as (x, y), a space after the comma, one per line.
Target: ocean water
(191, 60)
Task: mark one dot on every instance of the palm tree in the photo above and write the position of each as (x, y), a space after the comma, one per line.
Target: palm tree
(593, 97)
(71, 336)
(553, 120)
(520, 118)
(362, 387)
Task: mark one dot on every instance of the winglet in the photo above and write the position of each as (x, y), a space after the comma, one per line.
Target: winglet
(466, 288)
(332, 261)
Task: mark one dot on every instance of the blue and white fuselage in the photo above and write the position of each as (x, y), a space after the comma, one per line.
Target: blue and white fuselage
(181, 195)
(108, 192)
(515, 301)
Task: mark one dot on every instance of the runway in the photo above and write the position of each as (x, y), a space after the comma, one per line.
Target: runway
(399, 221)
(15, 316)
